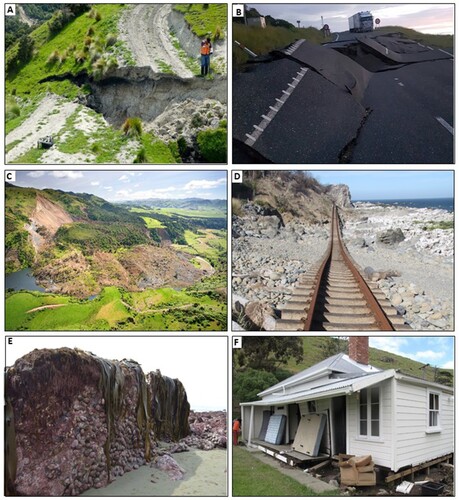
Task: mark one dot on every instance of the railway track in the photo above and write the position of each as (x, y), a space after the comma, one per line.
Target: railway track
(333, 296)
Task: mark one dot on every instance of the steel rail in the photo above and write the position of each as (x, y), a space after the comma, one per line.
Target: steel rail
(380, 317)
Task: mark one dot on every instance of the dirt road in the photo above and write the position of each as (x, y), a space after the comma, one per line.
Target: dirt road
(145, 30)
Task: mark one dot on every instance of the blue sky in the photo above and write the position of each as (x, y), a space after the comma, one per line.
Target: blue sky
(426, 18)
(437, 351)
(130, 185)
(391, 184)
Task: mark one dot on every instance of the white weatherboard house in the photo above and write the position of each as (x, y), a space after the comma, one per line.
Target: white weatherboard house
(344, 405)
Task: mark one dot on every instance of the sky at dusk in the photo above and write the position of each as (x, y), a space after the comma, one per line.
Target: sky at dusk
(130, 185)
(391, 184)
(426, 18)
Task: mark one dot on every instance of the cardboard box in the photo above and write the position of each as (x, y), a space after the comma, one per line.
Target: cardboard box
(357, 471)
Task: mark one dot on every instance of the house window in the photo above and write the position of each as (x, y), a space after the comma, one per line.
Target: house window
(369, 414)
(434, 409)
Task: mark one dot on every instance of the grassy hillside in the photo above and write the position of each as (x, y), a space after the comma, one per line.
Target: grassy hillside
(439, 41)
(264, 40)
(205, 19)
(313, 353)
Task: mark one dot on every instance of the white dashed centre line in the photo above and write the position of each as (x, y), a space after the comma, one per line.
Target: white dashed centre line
(445, 124)
(268, 117)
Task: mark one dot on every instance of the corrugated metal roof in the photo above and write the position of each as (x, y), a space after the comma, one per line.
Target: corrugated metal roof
(341, 387)
(338, 363)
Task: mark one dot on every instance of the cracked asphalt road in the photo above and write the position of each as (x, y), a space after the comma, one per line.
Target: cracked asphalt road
(314, 120)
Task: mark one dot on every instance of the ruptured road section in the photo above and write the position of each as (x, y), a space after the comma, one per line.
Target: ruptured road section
(145, 29)
(335, 297)
(363, 99)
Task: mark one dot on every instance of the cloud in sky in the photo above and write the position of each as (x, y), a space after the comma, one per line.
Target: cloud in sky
(114, 185)
(204, 184)
(437, 351)
(60, 174)
(428, 18)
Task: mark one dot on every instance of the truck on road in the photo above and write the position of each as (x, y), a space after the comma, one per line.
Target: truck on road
(361, 22)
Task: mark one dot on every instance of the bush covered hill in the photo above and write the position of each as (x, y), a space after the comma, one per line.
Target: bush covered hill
(105, 266)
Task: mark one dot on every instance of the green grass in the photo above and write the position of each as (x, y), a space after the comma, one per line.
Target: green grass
(25, 81)
(253, 478)
(432, 225)
(440, 41)
(162, 309)
(204, 20)
(164, 67)
(199, 214)
(264, 40)
(153, 223)
(31, 156)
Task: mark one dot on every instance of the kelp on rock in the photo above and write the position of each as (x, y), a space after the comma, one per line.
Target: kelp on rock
(76, 421)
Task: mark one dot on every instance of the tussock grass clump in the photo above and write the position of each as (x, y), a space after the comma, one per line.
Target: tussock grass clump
(53, 58)
(90, 31)
(87, 41)
(99, 68)
(80, 57)
(141, 156)
(217, 33)
(111, 40)
(132, 127)
(95, 14)
(12, 110)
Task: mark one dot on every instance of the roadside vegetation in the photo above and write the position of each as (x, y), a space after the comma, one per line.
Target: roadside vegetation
(262, 41)
(439, 41)
(205, 19)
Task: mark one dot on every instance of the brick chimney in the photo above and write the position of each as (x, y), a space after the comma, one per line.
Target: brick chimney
(358, 349)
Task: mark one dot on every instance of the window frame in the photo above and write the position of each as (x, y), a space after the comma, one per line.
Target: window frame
(433, 411)
(368, 406)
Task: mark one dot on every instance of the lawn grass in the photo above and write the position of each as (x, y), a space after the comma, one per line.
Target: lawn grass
(253, 478)
(197, 214)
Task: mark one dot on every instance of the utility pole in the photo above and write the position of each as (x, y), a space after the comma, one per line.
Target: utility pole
(298, 23)
(322, 20)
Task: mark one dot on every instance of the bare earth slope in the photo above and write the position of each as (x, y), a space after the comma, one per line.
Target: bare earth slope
(145, 29)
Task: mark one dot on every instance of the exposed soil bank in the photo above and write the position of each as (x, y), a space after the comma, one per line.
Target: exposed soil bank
(205, 476)
(128, 92)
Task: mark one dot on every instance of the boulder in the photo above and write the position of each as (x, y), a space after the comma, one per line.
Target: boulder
(77, 421)
(391, 236)
(261, 315)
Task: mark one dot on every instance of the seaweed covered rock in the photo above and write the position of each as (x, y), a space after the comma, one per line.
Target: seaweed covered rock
(76, 421)
(170, 407)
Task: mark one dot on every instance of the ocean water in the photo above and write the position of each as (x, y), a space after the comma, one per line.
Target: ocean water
(443, 203)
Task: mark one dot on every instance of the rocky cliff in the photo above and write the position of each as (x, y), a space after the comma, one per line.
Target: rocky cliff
(76, 421)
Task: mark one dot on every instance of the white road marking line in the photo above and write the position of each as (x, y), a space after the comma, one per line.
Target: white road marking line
(261, 127)
(430, 48)
(443, 122)
(401, 84)
(387, 51)
(441, 50)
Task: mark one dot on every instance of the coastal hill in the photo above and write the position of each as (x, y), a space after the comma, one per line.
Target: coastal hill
(135, 261)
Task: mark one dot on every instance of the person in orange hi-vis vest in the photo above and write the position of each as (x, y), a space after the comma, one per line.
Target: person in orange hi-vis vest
(236, 431)
(206, 51)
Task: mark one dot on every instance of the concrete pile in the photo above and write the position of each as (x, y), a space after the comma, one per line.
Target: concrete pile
(75, 421)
